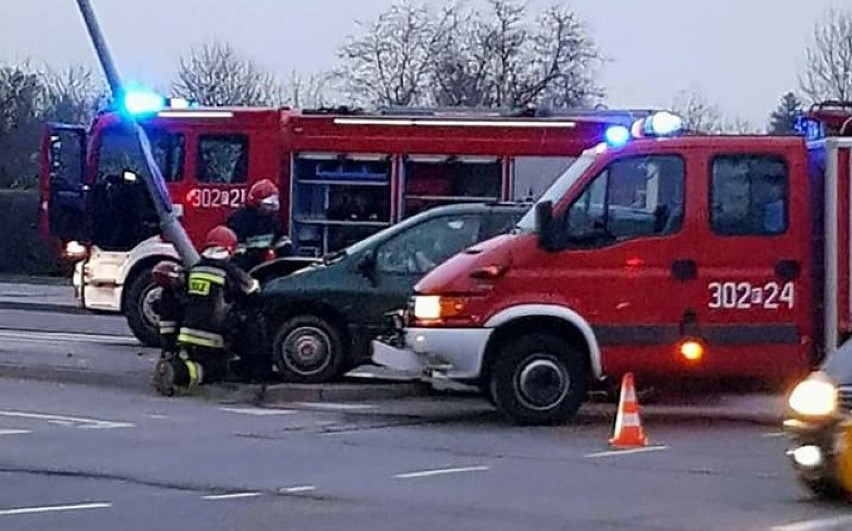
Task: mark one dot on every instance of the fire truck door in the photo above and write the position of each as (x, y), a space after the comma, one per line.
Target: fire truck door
(64, 156)
(617, 266)
(754, 263)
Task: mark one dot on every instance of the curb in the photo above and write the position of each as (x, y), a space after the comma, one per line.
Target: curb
(60, 375)
(35, 280)
(341, 392)
(44, 307)
(282, 394)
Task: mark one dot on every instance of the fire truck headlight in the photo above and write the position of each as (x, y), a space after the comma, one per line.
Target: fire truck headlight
(138, 102)
(427, 307)
(617, 135)
(814, 397)
(75, 250)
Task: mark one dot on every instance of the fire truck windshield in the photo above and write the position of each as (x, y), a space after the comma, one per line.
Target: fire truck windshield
(560, 187)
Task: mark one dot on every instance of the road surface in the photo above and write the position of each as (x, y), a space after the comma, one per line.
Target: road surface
(76, 457)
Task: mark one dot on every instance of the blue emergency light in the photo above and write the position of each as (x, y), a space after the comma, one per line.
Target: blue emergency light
(138, 102)
(659, 124)
(617, 135)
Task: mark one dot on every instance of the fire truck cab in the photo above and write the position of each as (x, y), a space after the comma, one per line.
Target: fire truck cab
(665, 254)
(343, 176)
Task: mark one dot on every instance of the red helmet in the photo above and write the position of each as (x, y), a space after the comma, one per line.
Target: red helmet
(222, 237)
(168, 274)
(260, 192)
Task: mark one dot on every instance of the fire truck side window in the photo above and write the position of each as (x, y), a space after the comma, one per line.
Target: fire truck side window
(431, 181)
(749, 195)
(223, 159)
(633, 198)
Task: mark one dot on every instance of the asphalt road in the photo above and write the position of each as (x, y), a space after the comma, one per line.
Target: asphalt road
(98, 458)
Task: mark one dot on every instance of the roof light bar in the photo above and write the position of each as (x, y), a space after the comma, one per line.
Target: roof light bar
(454, 123)
(195, 114)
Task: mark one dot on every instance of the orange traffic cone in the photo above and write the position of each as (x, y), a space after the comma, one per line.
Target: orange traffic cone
(628, 428)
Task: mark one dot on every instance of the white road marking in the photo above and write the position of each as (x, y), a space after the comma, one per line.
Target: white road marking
(300, 488)
(840, 522)
(84, 423)
(234, 496)
(14, 432)
(773, 435)
(258, 412)
(157, 417)
(441, 471)
(54, 508)
(334, 406)
(611, 453)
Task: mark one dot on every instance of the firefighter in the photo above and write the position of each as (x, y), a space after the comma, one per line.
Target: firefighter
(256, 225)
(214, 287)
(171, 279)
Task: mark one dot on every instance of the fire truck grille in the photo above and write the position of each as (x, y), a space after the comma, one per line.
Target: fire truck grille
(845, 395)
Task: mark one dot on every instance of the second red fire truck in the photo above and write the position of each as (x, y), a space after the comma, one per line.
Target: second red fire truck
(664, 254)
(343, 175)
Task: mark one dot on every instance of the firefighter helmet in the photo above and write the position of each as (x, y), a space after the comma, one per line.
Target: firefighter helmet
(221, 237)
(168, 274)
(262, 192)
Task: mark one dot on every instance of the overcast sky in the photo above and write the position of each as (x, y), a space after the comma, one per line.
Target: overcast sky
(742, 54)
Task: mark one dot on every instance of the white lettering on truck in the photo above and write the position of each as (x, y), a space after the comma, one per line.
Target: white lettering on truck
(747, 296)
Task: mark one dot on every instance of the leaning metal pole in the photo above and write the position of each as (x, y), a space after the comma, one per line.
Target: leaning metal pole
(170, 226)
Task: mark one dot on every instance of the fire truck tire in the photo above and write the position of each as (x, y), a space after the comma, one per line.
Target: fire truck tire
(309, 349)
(824, 489)
(146, 331)
(539, 379)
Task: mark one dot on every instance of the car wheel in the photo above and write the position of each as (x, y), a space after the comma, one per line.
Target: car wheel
(308, 349)
(140, 301)
(539, 379)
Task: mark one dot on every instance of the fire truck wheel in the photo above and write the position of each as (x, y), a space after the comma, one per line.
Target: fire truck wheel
(308, 349)
(539, 379)
(138, 309)
(824, 489)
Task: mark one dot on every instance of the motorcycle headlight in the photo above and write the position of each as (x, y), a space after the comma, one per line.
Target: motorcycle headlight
(814, 397)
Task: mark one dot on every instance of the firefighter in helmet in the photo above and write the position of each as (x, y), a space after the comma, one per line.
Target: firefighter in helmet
(170, 277)
(214, 286)
(256, 226)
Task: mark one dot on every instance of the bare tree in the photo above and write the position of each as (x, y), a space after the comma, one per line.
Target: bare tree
(828, 74)
(216, 75)
(498, 58)
(306, 91)
(74, 95)
(389, 63)
(23, 100)
(699, 115)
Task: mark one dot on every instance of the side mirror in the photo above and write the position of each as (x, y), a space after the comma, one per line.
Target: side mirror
(366, 265)
(544, 226)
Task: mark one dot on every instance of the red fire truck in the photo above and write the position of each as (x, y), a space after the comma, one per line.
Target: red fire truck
(665, 254)
(343, 176)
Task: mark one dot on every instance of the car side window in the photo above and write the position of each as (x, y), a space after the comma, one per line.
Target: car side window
(634, 197)
(422, 247)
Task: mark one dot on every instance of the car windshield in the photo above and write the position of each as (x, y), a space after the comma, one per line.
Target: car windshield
(382, 235)
(559, 187)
